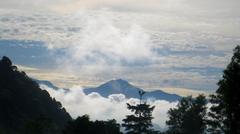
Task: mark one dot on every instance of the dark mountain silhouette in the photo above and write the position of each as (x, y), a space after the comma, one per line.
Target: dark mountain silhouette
(22, 101)
(120, 86)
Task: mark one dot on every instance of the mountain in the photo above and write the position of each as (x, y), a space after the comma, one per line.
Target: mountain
(50, 85)
(47, 83)
(120, 86)
(24, 105)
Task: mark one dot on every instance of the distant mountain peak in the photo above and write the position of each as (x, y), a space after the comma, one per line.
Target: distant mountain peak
(117, 83)
(120, 86)
(120, 81)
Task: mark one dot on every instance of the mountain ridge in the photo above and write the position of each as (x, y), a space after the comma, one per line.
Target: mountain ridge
(120, 86)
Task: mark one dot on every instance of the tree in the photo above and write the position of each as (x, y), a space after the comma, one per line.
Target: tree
(141, 121)
(225, 111)
(82, 125)
(189, 117)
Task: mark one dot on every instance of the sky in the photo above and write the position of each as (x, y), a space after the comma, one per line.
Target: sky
(179, 46)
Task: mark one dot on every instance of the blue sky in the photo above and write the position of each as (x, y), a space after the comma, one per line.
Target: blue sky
(162, 44)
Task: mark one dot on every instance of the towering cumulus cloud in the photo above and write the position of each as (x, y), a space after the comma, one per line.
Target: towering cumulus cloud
(100, 108)
(101, 41)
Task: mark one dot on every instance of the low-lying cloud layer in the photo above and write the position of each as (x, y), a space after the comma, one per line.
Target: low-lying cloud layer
(100, 108)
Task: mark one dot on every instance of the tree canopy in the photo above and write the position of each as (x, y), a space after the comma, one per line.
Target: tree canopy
(82, 125)
(225, 112)
(189, 117)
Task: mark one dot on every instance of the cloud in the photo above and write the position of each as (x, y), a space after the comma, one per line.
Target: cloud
(151, 50)
(213, 8)
(100, 41)
(100, 108)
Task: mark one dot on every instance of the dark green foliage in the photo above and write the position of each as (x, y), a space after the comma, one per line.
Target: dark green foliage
(82, 125)
(189, 117)
(225, 112)
(40, 125)
(2, 131)
(141, 121)
(21, 100)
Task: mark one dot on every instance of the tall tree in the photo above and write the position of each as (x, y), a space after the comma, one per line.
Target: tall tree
(141, 121)
(225, 112)
(189, 117)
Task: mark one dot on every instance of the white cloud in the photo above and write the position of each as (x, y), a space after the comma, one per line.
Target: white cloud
(99, 45)
(101, 41)
(100, 108)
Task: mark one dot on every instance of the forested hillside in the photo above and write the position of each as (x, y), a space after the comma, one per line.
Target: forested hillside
(22, 102)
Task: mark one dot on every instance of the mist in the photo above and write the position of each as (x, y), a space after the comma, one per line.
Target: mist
(99, 108)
